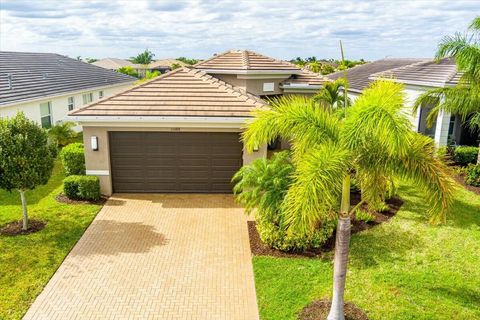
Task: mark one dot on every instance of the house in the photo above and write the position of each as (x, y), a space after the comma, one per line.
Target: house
(116, 63)
(180, 132)
(165, 65)
(418, 76)
(46, 86)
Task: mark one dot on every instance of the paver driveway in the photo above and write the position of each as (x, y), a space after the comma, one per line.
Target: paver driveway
(156, 257)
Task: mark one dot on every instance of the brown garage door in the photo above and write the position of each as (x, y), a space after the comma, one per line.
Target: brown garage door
(174, 161)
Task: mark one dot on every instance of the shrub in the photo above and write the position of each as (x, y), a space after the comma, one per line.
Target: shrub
(362, 215)
(472, 175)
(463, 155)
(53, 148)
(62, 133)
(82, 187)
(260, 187)
(73, 159)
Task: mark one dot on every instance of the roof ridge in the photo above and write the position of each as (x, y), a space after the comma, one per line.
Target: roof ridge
(211, 58)
(245, 59)
(229, 87)
(385, 72)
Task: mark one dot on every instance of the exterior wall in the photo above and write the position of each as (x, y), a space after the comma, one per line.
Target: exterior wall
(255, 86)
(98, 162)
(59, 104)
(232, 79)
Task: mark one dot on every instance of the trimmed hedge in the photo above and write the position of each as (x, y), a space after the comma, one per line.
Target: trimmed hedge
(73, 159)
(464, 155)
(82, 187)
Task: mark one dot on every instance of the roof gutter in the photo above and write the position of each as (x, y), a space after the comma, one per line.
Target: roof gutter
(161, 121)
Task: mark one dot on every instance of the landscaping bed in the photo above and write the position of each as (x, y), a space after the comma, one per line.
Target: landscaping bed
(64, 199)
(258, 248)
(15, 228)
(319, 309)
(460, 178)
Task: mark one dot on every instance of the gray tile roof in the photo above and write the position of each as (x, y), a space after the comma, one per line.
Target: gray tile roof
(359, 76)
(37, 75)
(427, 73)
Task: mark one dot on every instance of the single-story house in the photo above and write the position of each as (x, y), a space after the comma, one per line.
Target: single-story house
(418, 76)
(180, 132)
(46, 86)
(165, 65)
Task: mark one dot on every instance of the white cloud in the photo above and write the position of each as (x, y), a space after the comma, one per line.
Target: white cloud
(283, 29)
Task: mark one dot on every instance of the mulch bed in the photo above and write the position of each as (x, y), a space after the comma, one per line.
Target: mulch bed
(64, 199)
(258, 248)
(318, 310)
(15, 228)
(460, 178)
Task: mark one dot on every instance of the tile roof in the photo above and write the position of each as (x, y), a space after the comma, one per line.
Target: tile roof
(166, 63)
(359, 76)
(307, 77)
(37, 75)
(182, 92)
(244, 60)
(428, 73)
(115, 63)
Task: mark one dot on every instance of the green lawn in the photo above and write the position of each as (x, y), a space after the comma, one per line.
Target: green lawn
(28, 262)
(403, 269)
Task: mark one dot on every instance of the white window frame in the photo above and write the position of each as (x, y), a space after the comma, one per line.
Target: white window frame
(71, 103)
(49, 115)
(87, 98)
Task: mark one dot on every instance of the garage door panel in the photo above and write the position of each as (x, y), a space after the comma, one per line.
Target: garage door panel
(174, 161)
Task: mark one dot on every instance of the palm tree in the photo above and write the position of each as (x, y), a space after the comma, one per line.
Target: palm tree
(464, 98)
(374, 140)
(332, 95)
(144, 58)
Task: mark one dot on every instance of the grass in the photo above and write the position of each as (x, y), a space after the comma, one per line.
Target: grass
(403, 269)
(27, 262)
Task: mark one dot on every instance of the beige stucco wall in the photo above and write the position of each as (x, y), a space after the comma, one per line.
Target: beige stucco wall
(59, 103)
(232, 79)
(98, 162)
(253, 86)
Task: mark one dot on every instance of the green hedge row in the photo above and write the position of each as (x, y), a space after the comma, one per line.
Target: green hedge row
(73, 159)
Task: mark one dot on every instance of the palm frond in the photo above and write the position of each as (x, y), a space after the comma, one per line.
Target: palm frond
(475, 25)
(313, 196)
(421, 166)
(377, 119)
(294, 117)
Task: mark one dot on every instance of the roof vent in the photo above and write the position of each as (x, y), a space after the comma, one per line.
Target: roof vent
(45, 75)
(9, 79)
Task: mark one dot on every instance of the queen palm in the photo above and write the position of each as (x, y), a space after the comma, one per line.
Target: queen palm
(331, 95)
(464, 98)
(374, 141)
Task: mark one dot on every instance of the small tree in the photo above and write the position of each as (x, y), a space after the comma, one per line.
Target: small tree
(145, 57)
(129, 71)
(25, 157)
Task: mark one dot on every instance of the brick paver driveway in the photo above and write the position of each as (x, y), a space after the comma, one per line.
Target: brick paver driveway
(156, 257)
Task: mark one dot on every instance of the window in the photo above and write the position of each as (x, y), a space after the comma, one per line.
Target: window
(87, 98)
(100, 94)
(46, 114)
(71, 103)
(268, 86)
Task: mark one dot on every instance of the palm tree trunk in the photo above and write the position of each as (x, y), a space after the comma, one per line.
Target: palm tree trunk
(24, 206)
(478, 156)
(342, 243)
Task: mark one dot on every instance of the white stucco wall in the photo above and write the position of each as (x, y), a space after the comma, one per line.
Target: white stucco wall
(59, 103)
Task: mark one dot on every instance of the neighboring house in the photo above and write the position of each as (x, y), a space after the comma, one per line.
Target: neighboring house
(115, 64)
(46, 86)
(418, 75)
(180, 132)
(165, 65)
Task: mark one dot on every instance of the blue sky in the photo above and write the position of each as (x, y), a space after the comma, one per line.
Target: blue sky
(282, 29)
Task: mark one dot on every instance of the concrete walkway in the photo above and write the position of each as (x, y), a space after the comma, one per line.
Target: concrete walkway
(156, 257)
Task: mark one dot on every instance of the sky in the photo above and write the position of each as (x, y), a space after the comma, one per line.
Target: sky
(281, 29)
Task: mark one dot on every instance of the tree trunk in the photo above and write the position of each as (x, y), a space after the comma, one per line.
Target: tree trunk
(342, 243)
(24, 206)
